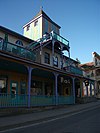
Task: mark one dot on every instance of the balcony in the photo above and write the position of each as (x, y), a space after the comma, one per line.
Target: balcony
(59, 38)
(17, 50)
(76, 70)
(73, 69)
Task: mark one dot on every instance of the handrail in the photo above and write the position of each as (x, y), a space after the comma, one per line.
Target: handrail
(59, 38)
(17, 50)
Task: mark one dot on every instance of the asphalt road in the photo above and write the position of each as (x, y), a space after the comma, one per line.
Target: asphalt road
(87, 121)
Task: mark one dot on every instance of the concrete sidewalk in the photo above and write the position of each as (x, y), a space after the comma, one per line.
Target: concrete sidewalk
(42, 114)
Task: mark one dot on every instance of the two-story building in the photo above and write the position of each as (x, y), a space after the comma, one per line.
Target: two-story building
(92, 70)
(34, 70)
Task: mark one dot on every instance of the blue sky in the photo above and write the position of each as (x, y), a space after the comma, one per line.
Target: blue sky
(79, 21)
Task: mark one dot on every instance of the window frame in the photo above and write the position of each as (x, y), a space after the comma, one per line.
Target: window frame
(35, 23)
(46, 58)
(28, 27)
(55, 61)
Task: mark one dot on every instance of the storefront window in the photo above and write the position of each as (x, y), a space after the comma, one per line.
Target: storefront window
(48, 89)
(36, 87)
(3, 85)
(13, 89)
(22, 88)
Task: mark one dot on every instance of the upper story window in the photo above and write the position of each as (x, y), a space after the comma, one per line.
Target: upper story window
(36, 23)
(18, 42)
(1, 39)
(55, 61)
(47, 58)
(1, 42)
(28, 27)
(96, 62)
(92, 74)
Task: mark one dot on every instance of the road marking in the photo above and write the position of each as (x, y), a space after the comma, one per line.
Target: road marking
(47, 121)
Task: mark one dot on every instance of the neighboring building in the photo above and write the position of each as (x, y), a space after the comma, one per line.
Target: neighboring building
(37, 73)
(92, 70)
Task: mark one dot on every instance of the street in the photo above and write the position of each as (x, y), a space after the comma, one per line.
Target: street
(87, 121)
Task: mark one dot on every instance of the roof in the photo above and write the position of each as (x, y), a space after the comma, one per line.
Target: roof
(88, 65)
(41, 12)
(96, 55)
(8, 31)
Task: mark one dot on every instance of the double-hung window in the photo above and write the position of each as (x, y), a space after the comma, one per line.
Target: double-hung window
(47, 58)
(55, 61)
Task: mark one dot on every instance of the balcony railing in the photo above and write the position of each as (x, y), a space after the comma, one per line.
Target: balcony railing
(59, 38)
(73, 69)
(76, 70)
(18, 50)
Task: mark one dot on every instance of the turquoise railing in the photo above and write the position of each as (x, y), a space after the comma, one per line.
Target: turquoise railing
(9, 100)
(59, 38)
(65, 99)
(18, 50)
(76, 70)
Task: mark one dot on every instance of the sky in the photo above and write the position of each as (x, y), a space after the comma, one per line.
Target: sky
(79, 21)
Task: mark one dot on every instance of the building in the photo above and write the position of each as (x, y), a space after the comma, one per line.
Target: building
(39, 25)
(92, 70)
(34, 70)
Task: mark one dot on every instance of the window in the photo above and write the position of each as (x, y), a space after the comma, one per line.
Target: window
(36, 87)
(36, 23)
(95, 61)
(92, 74)
(1, 42)
(22, 88)
(3, 85)
(28, 27)
(55, 61)
(47, 58)
(18, 42)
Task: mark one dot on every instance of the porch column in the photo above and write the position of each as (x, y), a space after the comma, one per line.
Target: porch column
(90, 89)
(61, 57)
(95, 91)
(69, 64)
(53, 52)
(81, 88)
(40, 52)
(87, 90)
(56, 88)
(73, 82)
(29, 83)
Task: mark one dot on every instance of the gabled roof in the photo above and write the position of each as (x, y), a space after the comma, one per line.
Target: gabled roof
(41, 12)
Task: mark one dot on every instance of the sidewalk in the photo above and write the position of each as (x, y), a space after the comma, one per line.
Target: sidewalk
(42, 114)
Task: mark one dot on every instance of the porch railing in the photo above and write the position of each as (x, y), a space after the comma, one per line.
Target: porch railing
(9, 100)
